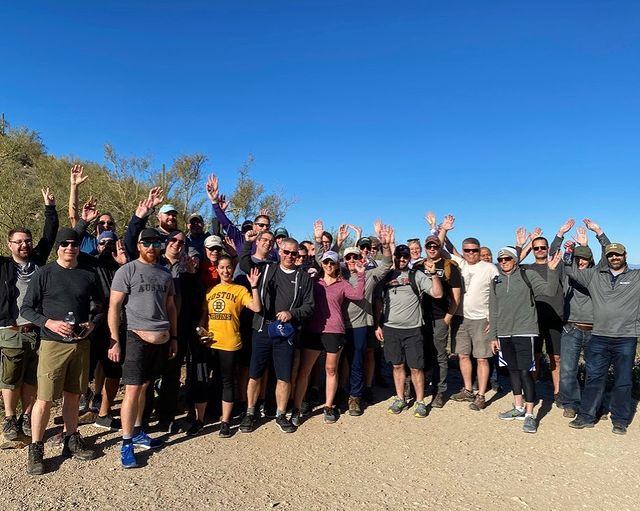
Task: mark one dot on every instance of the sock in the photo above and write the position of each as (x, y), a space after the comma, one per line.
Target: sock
(251, 410)
(528, 415)
(519, 408)
(280, 413)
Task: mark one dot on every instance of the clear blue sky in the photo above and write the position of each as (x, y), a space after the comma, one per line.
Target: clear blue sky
(503, 113)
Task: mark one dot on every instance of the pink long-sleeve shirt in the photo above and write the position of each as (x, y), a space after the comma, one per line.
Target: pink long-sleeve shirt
(327, 313)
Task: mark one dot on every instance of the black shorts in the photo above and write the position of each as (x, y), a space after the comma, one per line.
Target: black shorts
(100, 342)
(331, 343)
(144, 361)
(404, 345)
(280, 350)
(517, 352)
(550, 326)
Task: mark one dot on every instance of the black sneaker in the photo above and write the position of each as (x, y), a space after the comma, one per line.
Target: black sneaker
(35, 463)
(107, 422)
(96, 403)
(248, 423)
(195, 428)
(10, 428)
(305, 409)
(284, 424)
(579, 423)
(330, 415)
(225, 430)
(619, 429)
(74, 446)
(296, 418)
(25, 424)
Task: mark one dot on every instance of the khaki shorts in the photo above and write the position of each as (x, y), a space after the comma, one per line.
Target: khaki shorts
(470, 337)
(18, 359)
(63, 366)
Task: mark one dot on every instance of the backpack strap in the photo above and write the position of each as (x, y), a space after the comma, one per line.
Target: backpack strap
(532, 295)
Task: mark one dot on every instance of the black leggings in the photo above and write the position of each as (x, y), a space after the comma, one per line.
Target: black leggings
(224, 363)
(203, 362)
(517, 352)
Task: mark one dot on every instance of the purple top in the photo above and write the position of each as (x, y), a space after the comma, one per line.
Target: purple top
(327, 314)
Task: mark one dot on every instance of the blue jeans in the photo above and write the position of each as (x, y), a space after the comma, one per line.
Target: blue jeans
(356, 347)
(601, 353)
(572, 343)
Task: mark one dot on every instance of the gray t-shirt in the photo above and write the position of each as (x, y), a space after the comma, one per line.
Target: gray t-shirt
(147, 287)
(401, 306)
(23, 277)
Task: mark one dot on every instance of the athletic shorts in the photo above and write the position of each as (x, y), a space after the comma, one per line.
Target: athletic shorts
(517, 352)
(550, 327)
(331, 343)
(143, 361)
(280, 350)
(18, 359)
(63, 366)
(471, 337)
(100, 343)
(404, 345)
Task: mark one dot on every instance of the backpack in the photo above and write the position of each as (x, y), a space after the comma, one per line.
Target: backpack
(412, 281)
(523, 274)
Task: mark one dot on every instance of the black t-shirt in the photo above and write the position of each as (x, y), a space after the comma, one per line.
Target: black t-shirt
(440, 306)
(281, 291)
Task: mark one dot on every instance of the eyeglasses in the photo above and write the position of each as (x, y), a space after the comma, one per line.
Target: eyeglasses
(431, 246)
(195, 221)
(21, 242)
(504, 259)
(176, 241)
(539, 248)
(290, 252)
(150, 244)
(471, 250)
(613, 254)
(214, 249)
(104, 242)
(351, 257)
(330, 262)
(72, 244)
(106, 222)
(262, 225)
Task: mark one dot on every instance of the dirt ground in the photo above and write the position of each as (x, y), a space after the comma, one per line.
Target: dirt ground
(454, 459)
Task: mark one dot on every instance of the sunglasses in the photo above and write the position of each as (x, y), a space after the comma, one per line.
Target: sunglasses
(150, 244)
(432, 246)
(72, 244)
(504, 259)
(106, 222)
(263, 226)
(290, 252)
(330, 262)
(214, 249)
(539, 248)
(613, 254)
(351, 257)
(176, 241)
(365, 247)
(471, 250)
(102, 243)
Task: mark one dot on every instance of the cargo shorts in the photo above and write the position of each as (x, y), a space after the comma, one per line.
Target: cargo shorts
(18, 358)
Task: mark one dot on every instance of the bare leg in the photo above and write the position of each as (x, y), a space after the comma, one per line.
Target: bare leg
(466, 369)
(483, 375)
(28, 397)
(283, 389)
(10, 398)
(417, 378)
(554, 362)
(70, 412)
(307, 360)
(227, 409)
(108, 396)
(201, 408)
(253, 391)
(398, 380)
(129, 410)
(331, 368)
(40, 419)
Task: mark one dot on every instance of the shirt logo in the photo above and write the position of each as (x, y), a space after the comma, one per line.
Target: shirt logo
(218, 305)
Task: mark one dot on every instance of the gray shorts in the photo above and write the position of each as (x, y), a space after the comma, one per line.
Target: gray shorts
(471, 338)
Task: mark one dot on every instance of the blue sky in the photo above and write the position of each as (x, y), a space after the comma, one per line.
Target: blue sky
(502, 113)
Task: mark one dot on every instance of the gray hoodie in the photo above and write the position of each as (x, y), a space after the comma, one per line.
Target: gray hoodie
(359, 313)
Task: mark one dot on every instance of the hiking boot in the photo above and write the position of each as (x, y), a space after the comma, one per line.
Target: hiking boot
(248, 423)
(107, 422)
(296, 418)
(513, 414)
(144, 441)
(355, 410)
(96, 403)
(75, 447)
(128, 456)
(330, 415)
(195, 428)
(35, 463)
(85, 399)
(284, 424)
(478, 404)
(619, 429)
(25, 424)
(579, 423)
(530, 424)
(569, 413)
(438, 400)
(397, 406)
(420, 410)
(10, 428)
(225, 430)
(464, 395)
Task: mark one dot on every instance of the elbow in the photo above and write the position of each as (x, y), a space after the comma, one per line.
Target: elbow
(437, 293)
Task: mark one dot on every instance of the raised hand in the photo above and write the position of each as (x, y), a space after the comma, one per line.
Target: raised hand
(592, 226)
(49, 198)
(377, 226)
(120, 256)
(357, 231)
(360, 266)
(430, 218)
(568, 245)
(343, 234)
(430, 266)
(222, 201)
(156, 196)
(448, 222)
(581, 237)
(230, 246)
(265, 212)
(566, 227)
(144, 208)
(253, 276)
(553, 262)
(536, 233)
(76, 175)
(212, 187)
(521, 236)
(250, 235)
(89, 210)
(318, 229)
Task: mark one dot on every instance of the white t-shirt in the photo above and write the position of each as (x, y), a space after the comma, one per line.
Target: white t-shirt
(477, 285)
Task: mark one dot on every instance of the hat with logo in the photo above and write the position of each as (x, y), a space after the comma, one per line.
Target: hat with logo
(281, 232)
(363, 242)
(433, 239)
(615, 248)
(149, 234)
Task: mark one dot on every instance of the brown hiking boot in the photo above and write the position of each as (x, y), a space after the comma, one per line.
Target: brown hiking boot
(35, 463)
(569, 413)
(438, 400)
(355, 409)
(75, 446)
(463, 395)
(478, 403)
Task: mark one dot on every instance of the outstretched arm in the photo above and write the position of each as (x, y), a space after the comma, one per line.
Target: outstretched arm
(76, 178)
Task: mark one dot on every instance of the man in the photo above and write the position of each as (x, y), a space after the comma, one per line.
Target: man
(615, 294)
(19, 337)
(470, 326)
(138, 222)
(281, 234)
(400, 327)
(440, 312)
(148, 290)
(197, 234)
(486, 255)
(286, 293)
(64, 300)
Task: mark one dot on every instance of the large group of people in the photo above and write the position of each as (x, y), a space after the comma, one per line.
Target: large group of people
(256, 317)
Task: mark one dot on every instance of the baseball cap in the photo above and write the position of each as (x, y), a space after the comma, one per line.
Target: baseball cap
(401, 250)
(194, 216)
(167, 208)
(107, 235)
(330, 254)
(149, 234)
(247, 225)
(584, 252)
(213, 241)
(615, 248)
(433, 239)
(364, 241)
(351, 250)
(281, 231)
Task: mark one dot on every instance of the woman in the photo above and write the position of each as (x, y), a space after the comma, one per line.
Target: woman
(221, 320)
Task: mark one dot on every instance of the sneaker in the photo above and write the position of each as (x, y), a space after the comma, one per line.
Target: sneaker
(530, 424)
(248, 423)
(144, 441)
(579, 423)
(128, 456)
(25, 424)
(284, 424)
(107, 422)
(96, 403)
(305, 409)
(557, 401)
(195, 428)
(35, 463)
(513, 414)
(355, 410)
(75, 447)
(420, 410)
(464, 395)
(619, 429)
(10, 428)
(438, 400)
(296, 417)
(85, 399)
(478, 404)
(330, 415)
(225, 430)
(569, 413)
(397, 406)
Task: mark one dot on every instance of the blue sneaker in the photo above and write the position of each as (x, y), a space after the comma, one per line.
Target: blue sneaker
(144, 441)
(127, 456)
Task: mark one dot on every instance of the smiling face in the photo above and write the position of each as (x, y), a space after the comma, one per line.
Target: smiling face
(471, 253)
(288, 254)
(175, 245)
(168, 221)
(351, 260)
(433, 251)
(415, 250)
(20, 244)
(225, 270)
(507, 264)
(616, 261)
(68, 251)
(486, 255)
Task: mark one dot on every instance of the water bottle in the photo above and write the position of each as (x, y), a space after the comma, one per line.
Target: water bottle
(70, 319)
